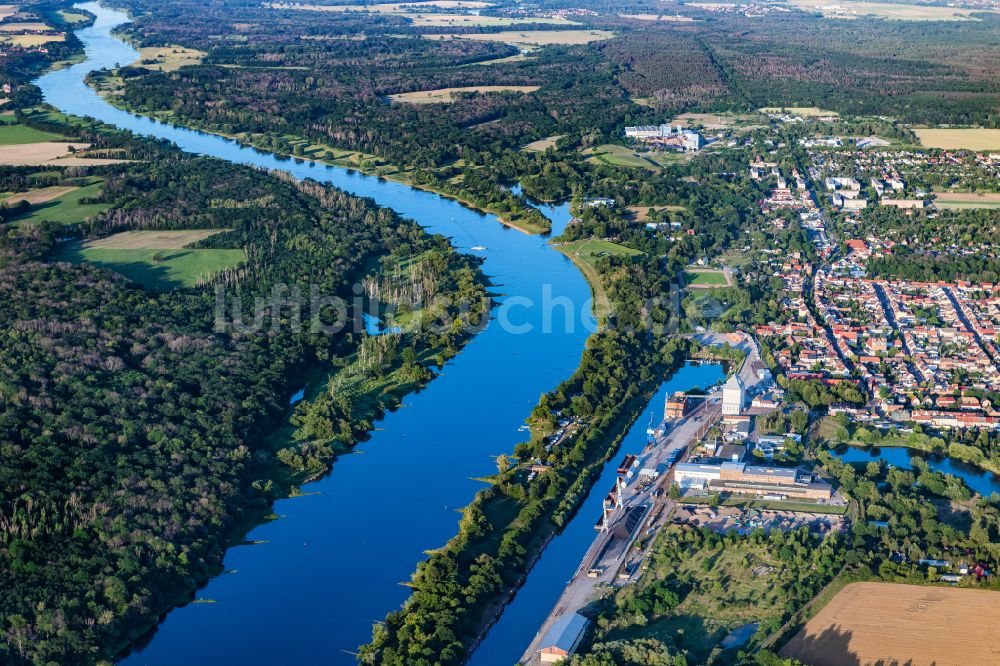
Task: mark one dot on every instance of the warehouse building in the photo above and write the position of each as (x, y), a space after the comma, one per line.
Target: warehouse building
(763, 481)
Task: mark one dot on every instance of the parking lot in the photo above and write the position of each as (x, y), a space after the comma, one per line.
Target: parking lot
(726, 518)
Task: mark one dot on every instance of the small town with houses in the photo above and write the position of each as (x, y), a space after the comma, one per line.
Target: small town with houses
(897, 355)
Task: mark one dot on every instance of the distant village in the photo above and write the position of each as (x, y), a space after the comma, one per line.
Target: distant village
(917, 349)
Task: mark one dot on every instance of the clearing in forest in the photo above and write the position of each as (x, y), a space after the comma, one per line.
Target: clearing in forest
(804, 111)
(717, 121)
(446, 95)
(39, 196)
(153, 240)
(534, 37)
(973, 138)
(7, 10)
(73, 17)
(472, 20)
(157, 269)
(65, 208)
(542, 145)
(168, 58)
(616, 155)
(592, 250)
(707, 278)
(899, 12)
(641, 213)
(523, 55)
(386, 7)
(883, 623)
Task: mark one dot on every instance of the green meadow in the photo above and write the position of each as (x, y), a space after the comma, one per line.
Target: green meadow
(159, 270)
(66, 209)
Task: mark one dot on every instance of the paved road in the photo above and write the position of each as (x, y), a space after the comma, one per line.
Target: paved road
(582, 589)
(963, 316)
(883, 298)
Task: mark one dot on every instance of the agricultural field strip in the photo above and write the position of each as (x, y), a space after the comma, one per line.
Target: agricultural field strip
(868, 622)
(448, 94)
(39, 196)
(151, 240)
(959, 138)
(387, 7)
(533, 37)
(897, 12)
(33, 154)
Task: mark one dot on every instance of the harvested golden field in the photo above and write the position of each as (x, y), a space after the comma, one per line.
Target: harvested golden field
(658, 17)
(885, 623)
(31, 40)
(151, 240)
(445, 95)
(39, 196)
(54, 153)
(959, 200)
(23, 27)
(32, 154)
(898, 12)
(535, 37)
(954, 139)
(386, 7)
(168, 58)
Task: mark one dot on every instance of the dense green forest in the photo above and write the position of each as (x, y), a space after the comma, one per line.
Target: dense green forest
(287, 80)
(138, 434)
(134, 425)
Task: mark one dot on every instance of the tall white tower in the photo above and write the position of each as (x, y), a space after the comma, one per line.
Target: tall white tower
(733, 395)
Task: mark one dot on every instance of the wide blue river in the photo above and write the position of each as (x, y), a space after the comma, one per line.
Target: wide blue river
(520, 621)
(313, 582)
